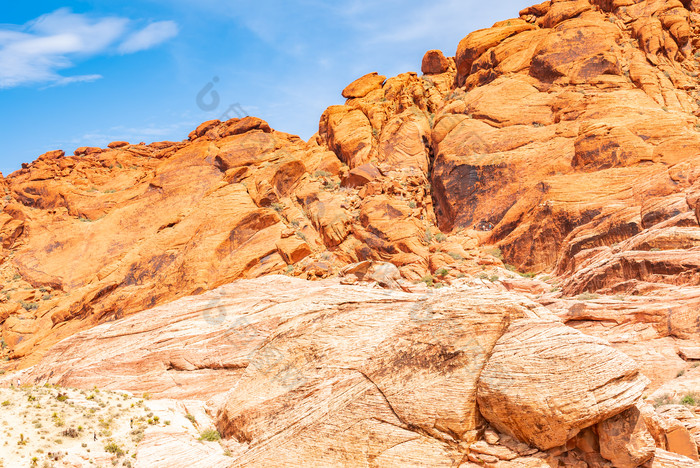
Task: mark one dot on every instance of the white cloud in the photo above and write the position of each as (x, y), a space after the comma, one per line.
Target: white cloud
(150, 36)
(74, 79)
(35, 53)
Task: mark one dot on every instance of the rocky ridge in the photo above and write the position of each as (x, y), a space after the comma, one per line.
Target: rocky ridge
(559, 145)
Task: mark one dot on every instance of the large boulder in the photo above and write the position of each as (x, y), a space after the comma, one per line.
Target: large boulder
(362, 86)
(477, 43)
(625, 439)
(545, 382)
(434, 63)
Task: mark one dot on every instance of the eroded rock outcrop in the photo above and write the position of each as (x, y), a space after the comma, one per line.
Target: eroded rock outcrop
(352, 375)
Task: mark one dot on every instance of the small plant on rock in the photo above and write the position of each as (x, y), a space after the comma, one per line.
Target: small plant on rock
(210, 435)
(691, 399)
(587, 296)
(113, 448)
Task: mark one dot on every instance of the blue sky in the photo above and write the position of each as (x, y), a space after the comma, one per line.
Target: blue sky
(87, 72)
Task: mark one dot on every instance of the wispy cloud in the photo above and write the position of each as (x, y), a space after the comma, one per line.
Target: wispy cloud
(150, 36)
(73, 79)
(35, 53)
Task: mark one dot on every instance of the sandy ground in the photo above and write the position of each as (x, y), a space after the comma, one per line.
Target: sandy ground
(61, 427)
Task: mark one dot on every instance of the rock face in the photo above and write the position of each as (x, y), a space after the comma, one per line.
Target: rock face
(625, 439)
(602, 95)
(377, 374)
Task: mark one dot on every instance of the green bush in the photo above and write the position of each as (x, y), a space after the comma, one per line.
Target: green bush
(690, 400)
(210, 435)
(29, 305)
(115, 449)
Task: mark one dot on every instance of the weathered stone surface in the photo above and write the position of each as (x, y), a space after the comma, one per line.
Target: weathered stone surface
(625, 439)
(478, 42)
(384, 274)
(364, 85)
(561, 11)
(399, 367)
(649, 327)
(434, 63)
(87, 150)
(293, 249)
(349, 134)
(543, 384)
(361, 175)
(664, 459)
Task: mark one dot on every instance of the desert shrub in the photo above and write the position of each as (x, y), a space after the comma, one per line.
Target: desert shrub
(113, 448)
(29, 305)
(70, 432)
(691, 399)
(662, 401)
(210, 435)
(587, 296)
(496, 252)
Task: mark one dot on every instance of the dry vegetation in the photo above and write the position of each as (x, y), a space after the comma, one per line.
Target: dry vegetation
(51, 427)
